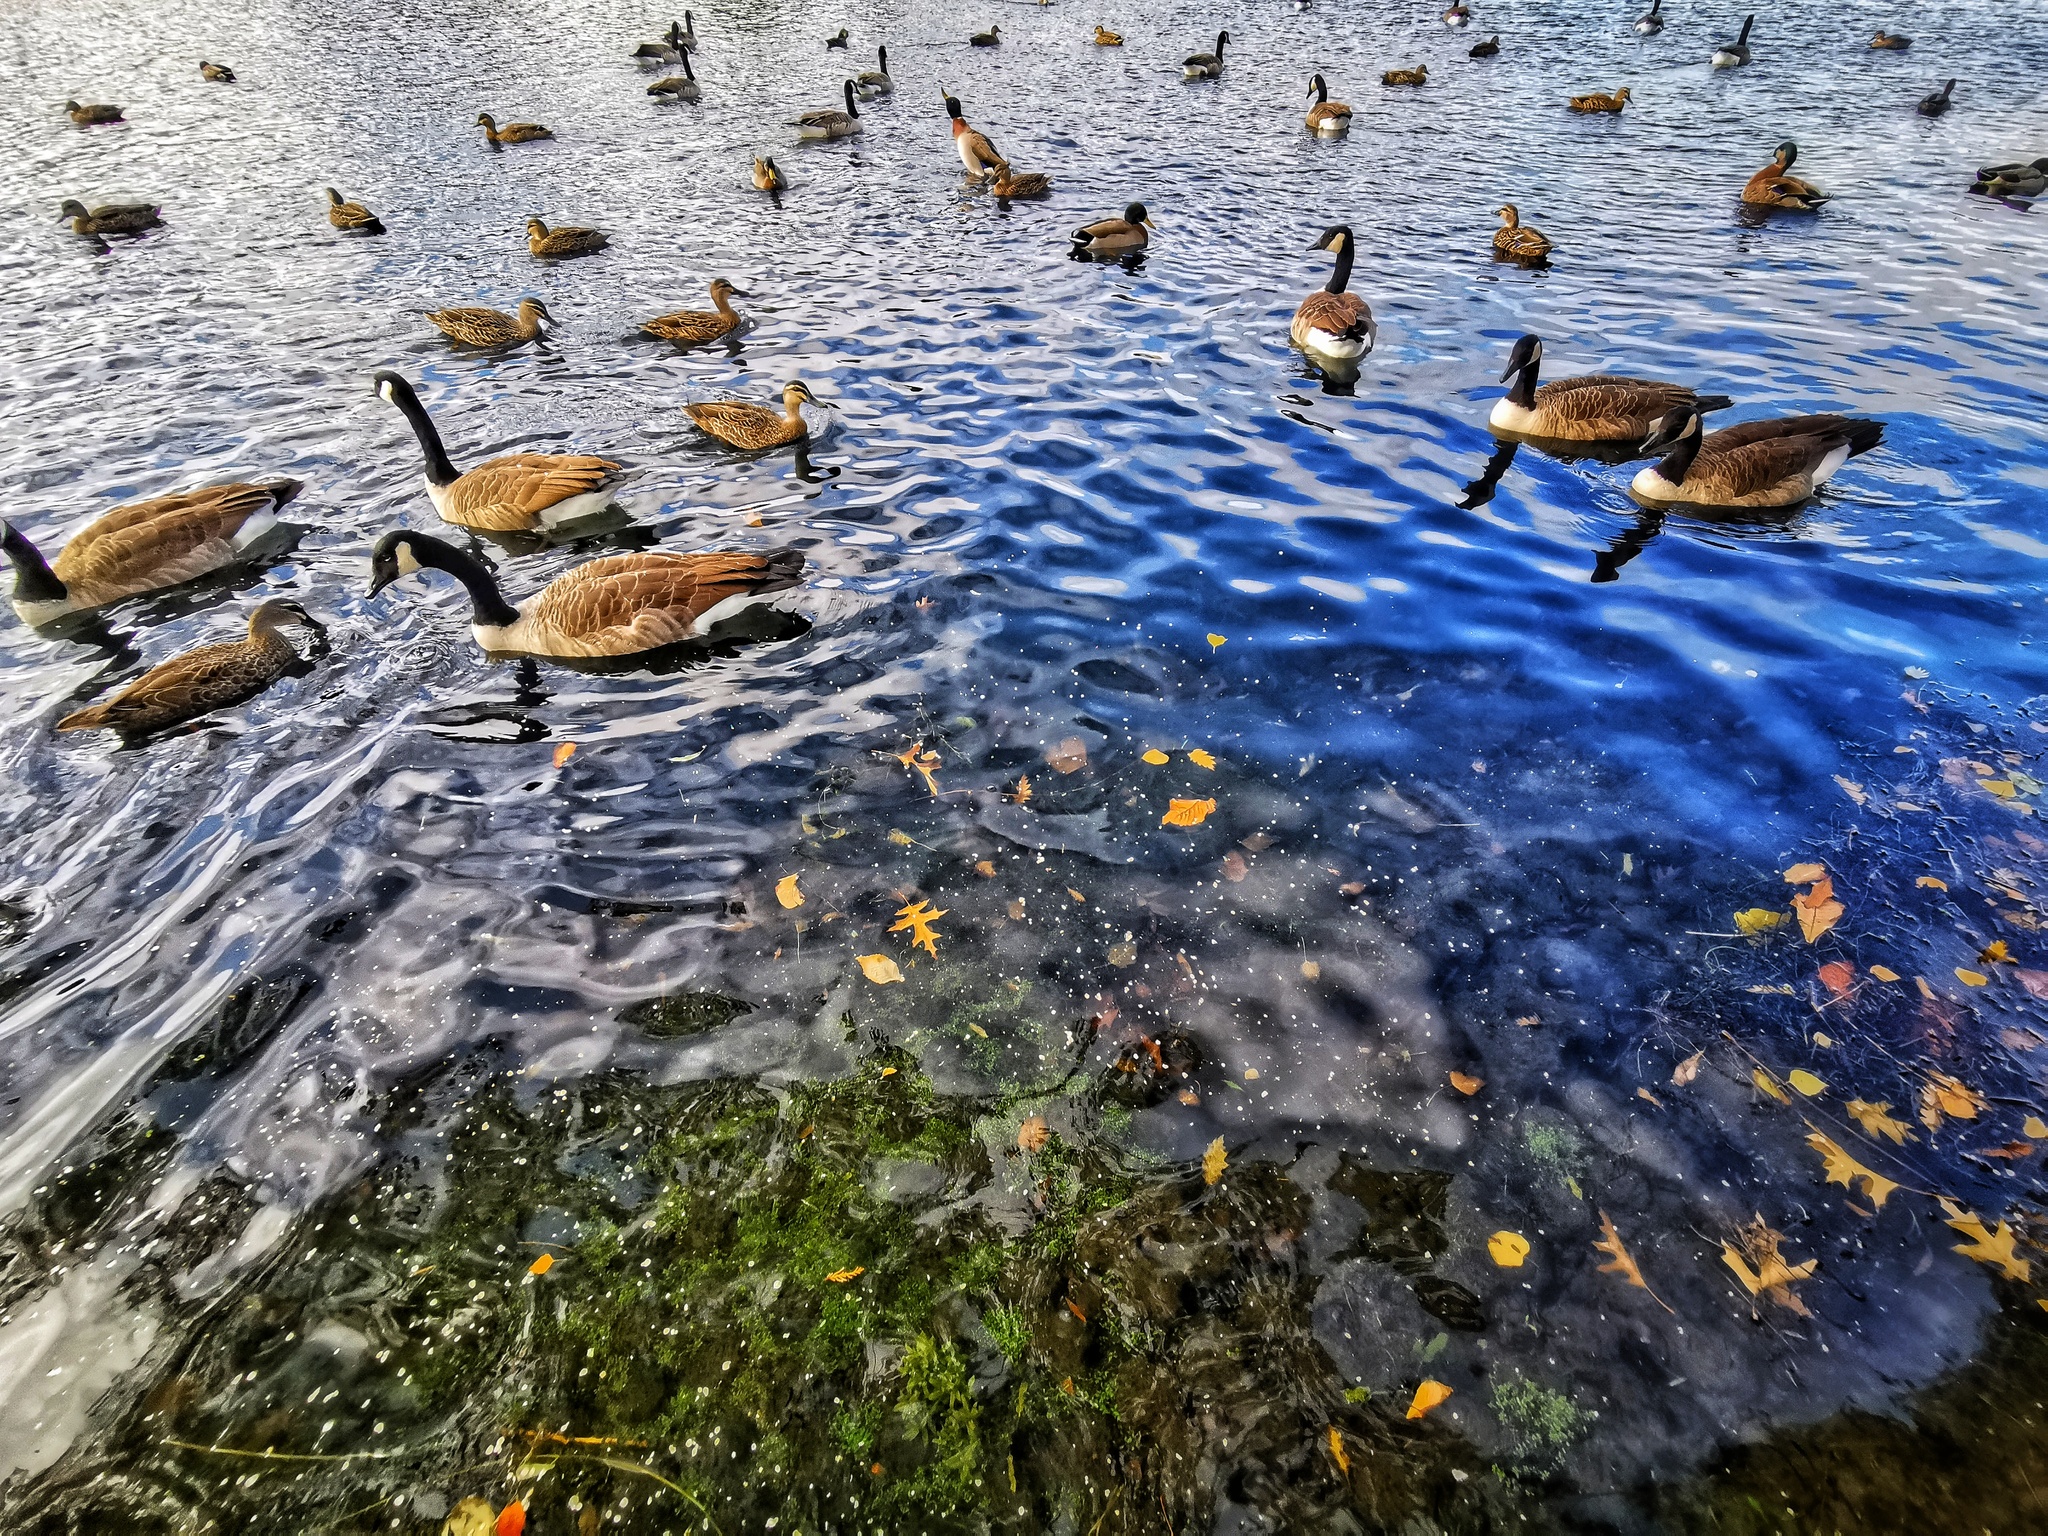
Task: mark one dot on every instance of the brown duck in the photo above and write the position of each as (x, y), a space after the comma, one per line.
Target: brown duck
(87, 113)
(109, 218)
(219, 74)
(202, 681)
(573, 241)
(742, 424)
(1419, 75)
(1597, 102)
(693, 327)
(1516, 240)
(482, 327)
(1017, 186)
(511, 133)
(351, 218)
(1771, 187)
(1890, 40)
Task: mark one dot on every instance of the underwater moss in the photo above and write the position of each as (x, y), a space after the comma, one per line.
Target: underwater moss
(1545, 1423)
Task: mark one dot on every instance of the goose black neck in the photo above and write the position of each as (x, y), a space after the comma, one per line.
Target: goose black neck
(882, 59)
(1747, 23)
(688, 73)
(34, 581)
(439, 470)
(485, 599)
(851, 109)
(1341, 273)
(1523, 391)
(1322, 91)
(1677, 464)
(1221, 39)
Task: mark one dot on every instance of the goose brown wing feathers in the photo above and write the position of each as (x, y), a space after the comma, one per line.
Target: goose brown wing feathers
(1630, 407)
(1338, 313)
(1752, 457)
(162, 541)
(628, 603)
(512, 491)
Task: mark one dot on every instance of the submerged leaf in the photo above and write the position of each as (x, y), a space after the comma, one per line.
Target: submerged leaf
(1929, 883)
(1805, 874)
(1758, 922)
(1508, 1249)
(1987, 1247)
(1202, 758)
(919, 917)
(1336, 1437)
(1021, 795)
(1806, 1082)
(564, 752)
(1844, 1170)
(787, 893)
(1944, 1095)
(1187, 813)
(1852, 790)
(842, 1276)
(1427, 1396)
(1070, 756)
(1033, 1134)
(1214, 1161)
(1971, 978)
(1884, 973)
(986, 868)
(1817, 910)
(1623, 1263)
(1771, 1275)
(880, 969)
(1687, 1069)
(1876, 1122)
(1770, 1085)
(1838, 976)
(1466, 1083)
(1156, 757)
(541, 1265)
(472, 1517)
(511, 1520)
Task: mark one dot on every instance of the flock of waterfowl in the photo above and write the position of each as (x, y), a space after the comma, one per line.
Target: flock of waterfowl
(627, 604)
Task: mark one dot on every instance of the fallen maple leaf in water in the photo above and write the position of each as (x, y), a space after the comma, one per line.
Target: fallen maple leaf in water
(1805, 874)
(1427, 1396)
(787, 893)
(1033, 1134)
(1337, 1449)
(541, 1265)
(1771, 1275)
(918, 917)
(1687, 1069)
(1187, 813)
(1021, 795)
(841, 1276)
(1876, 1122)
(1201, 758)
(1770, 1085)
(1508, 1249)
(511, 1520)
(1466, 1084)
(880, 969)
(1844, 1170)
(564, 752)
(1838, 976)
(1986, 1247)
(1757, 922)
(1817, 910)
(1623, 1263)
(1214, 1161)
(1995, 953)
(1806, 1082)
(920, 762)
(1070, 756)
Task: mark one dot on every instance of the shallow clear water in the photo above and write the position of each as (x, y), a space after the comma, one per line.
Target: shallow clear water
(370, 957)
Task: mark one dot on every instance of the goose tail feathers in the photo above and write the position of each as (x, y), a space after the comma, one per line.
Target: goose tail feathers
(1705, 403)
(782, 569)
(282, 489)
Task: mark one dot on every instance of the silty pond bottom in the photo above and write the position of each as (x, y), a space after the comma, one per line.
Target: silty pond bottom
(1361, 966)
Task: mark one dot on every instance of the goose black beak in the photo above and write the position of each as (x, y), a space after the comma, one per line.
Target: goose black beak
(380, 579)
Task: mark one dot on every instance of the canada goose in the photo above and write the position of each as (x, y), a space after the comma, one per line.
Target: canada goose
(1772, 188)
(988, 39)
(109, 218)
(92, 112)
(768, 175)
(977, 153)
(1487, 49)
(1757, 464)
(514, 493)
(143, 547)
(1593, 408)
(667, 51)
(1458, 14)
(616, 605)
(1112, 236)
(481, 327)
(742, 424)
(1010, 186)
(1326, 116)
(876, 82)
(2019, 178)
(692, 327)
(1419, 75)
(573, 241)
(683, 87)
(352, 217)
(1330, 321)
(1517, 240)
(1735, 54)
(1890, 40)
(1596, 102)
(202, 681)
(1205, 66)
(511, 133)
(220, 74)
(1938, 102)
(1104, 38)
(1651, 22)
(837, 42)
(830, 123)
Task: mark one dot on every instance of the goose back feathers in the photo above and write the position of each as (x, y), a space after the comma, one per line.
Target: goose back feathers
(1205, 66)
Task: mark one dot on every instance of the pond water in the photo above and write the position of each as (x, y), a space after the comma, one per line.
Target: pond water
(421, 1088)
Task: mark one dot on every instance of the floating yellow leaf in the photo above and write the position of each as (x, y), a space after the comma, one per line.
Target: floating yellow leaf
(1687, 1069)
(1508, 1249)
(880, 969)
(1758, 921)
(1466, 1084)
(564, 752)
(1156, 757)
(977, 1030)
(1337, 1449)
(1214, 1161)
(1216, 641)
(841, 1276)
(1951, 1097)
(1884, 973)
(1770, 1085)
(1929, 883)
(901, 838)
(1251, 1074)
(1877, 1122)
(1844, 1170)
(1124, 953)
(1825, 1042)
(918, 917)
(985, 868)
(1986, 1247)
(1805, 874)
(1022, 793)
(1994, 953)
(1202, 759)
(541, 1265)
(787, 893)
(1427, 1396)
(2005, 789)
(2035, 1127)
(1033, 1134)
(1806, 1082)
(1623, 1263)
(1817, 910)
(1187, 813)
(1971, 978)
(1771, 1275)
(1070, 756)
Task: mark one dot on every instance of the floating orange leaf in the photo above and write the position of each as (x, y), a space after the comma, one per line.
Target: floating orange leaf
(880, 969)
(1770, 1085)
(841, 1276)
(1971, 978)
(1817, 910)
(1884, 973)
(1074, 1307)
(1687, 1069)
(1951, 1098)
(1997, 952)
(787, 893)
(1033, 1134)
(1336, 1437)
(1805, 874)
(1076, 895)
(918, 917)
(1844, 1170)
(1201, 758)
(2011, 1152)
(1214, 1161)
(564, 752)
(1644, 1093)
(1466, 1084)
(1070, 756)
(1929, 883)
(1156, 757)
(920, 762)
(1021, 795)
(511, 1520)
(1986, 1247)
(1838, 976)
(2035, 1127)
(1216, 641)
(1508, 1249)
(985, 868)
(1762, 1270)
(1427, 1396)
(1876, 1122)
(1853, 790)
(1187, 813)
(1623, 1263)
(541, 1265)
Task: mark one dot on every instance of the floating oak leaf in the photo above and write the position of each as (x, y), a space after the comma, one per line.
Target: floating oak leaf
(1877, 1122)
(1202, 758)
(2011, 1152)
(1997, 952)
(1508, 1249)
(1844, 1170)
(1214, 1161)
(2035, 1127)
(1762, 1270)
(1986, 1247)
(787, 893)
(920, 762)
(1622, 1262)
(880, 969)
(1022, 793)
(1427, 1396)
(1187, 813)
(919, 917)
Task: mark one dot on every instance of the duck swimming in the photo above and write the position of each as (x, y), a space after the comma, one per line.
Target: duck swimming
(201, 681)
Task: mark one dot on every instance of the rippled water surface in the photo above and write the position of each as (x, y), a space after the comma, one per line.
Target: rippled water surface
(327, 1022)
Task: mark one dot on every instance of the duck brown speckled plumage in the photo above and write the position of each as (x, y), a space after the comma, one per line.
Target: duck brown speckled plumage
(1771, 187)
(109, 218)
(1419, 75)
(219, 74)
(87, 113)
(1104, 38)
(511, 133)
(1890, 40)
(1517, 240)
(1597, 101)
(742, 424)
(483, 327)
(694, 327)
(352, 218)
(1012, 186)
(201, 681)
(569, 241)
